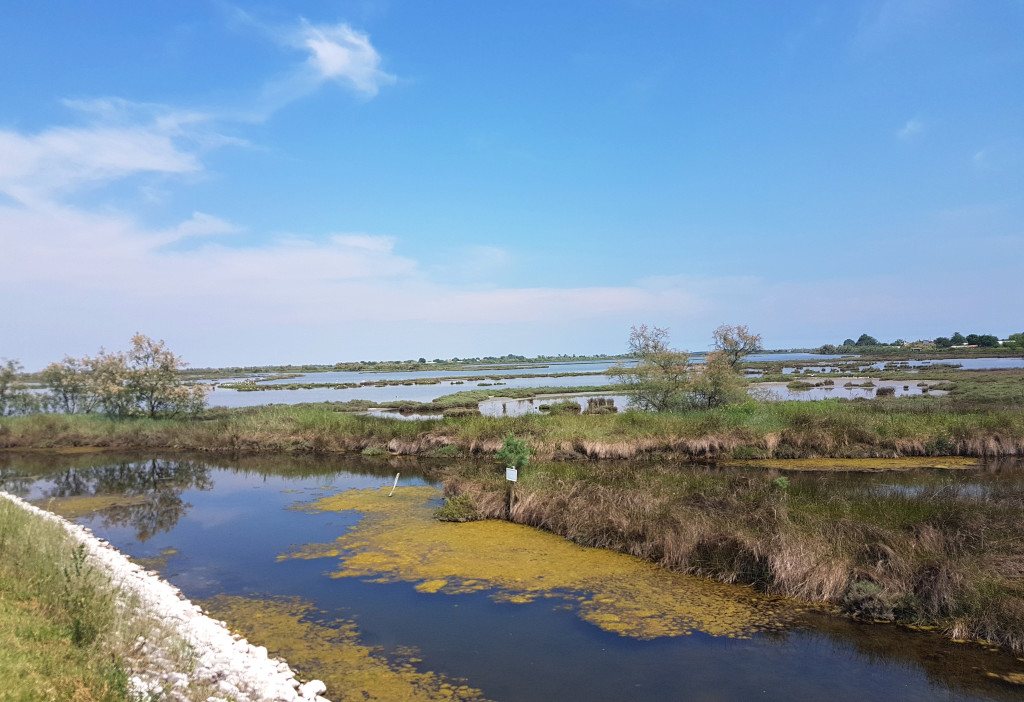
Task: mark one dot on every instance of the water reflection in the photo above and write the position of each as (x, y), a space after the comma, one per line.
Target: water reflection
(236, 515)
(145, 496)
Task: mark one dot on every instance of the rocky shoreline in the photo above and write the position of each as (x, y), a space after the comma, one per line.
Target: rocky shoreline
(224, 663)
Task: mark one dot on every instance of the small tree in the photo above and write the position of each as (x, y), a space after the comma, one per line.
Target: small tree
(664, 381)
(70, 386)
(514, 452)
(735, 343)
(716, 383)
(154, 382)
(110, 383)
(14, 398)
(659, 380)
(867, 340)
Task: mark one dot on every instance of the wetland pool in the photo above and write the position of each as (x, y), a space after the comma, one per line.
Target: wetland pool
(311, 558)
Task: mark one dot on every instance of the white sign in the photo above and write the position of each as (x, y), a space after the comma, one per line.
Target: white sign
(511, 474)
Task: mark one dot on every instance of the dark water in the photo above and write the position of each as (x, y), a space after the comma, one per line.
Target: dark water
(228, 520)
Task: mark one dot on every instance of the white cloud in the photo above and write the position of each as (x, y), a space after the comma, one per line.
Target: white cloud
(120, 139)
(382, 244)
(65, 158)
(342, 54)
(334, 53)
(911, 129)
(201, 224)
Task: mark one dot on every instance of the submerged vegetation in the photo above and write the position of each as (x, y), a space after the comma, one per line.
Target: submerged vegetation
(332, 652)
(517, 564)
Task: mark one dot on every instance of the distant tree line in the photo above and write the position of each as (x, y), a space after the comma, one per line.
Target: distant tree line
(958, 339)
(143, 381)
(865, 342)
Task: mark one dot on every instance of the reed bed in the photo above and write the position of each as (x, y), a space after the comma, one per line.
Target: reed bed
(932, 549)
(879, 428)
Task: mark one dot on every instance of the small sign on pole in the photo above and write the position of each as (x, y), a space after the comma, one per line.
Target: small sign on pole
(511, 474)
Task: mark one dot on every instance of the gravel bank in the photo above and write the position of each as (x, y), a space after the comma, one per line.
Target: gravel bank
(229, 666)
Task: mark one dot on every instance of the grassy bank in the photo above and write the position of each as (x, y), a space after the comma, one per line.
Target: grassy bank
(932, 549)
(879, 428)
(54, 615)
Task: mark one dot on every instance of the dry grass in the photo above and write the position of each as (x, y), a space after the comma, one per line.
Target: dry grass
(948, 550)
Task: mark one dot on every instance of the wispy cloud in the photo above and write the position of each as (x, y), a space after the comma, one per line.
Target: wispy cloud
(342, 54)
(117, 139)
(911, 129)
(886, 21)
(333, 54)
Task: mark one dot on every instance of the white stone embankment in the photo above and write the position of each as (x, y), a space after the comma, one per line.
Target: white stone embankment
(222, 662)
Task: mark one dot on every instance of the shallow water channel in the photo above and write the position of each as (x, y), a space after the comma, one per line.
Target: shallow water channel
(311, 558)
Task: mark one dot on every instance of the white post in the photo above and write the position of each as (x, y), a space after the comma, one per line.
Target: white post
(395, 485)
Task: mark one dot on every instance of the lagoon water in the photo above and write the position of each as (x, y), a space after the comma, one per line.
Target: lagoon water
(262, 529)
(471, 379)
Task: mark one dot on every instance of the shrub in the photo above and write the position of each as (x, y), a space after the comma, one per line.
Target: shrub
(461, 412)
(459, 508)
(564, 407)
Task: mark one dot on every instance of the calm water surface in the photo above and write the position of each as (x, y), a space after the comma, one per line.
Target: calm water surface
(476, 379)
(218, 526)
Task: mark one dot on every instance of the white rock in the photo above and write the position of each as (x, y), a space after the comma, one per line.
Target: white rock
(243, 672)
(311, 689)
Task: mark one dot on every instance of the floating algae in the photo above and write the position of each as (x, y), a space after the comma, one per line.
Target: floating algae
(332, 653)
(858, 464)
(84, 505)
(398, 541)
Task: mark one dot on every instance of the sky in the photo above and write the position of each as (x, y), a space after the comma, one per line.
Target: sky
(324, 181)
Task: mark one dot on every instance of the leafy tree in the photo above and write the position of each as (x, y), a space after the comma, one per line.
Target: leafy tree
(110, 380)
(716, 383)
(957, 339)
(735, 342)
(866, 340)
(663, 379)
(154, 383)
(658, 382)
(943, 342)
(14, 398)
(145, 380)
(70, 386)
(988, 340)
(849, 342)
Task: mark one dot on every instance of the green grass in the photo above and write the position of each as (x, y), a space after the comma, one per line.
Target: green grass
(54, 611)
(982, 415)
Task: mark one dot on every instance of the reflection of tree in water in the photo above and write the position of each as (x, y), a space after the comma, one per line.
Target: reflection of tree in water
(158, 483)
(15, 482)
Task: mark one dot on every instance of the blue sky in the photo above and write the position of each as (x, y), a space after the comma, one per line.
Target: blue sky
(328, 181)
